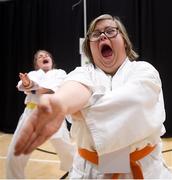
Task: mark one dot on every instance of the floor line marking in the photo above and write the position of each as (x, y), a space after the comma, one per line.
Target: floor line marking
(37, 160)
(3, 135)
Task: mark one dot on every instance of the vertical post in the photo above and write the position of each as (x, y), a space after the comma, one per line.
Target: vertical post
(84, 59)
(85, 17)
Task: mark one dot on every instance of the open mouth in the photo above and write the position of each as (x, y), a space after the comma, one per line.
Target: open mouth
(45, 61)
(106, 51)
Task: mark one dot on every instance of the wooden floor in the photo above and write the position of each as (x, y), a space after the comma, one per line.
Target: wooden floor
(43, 165)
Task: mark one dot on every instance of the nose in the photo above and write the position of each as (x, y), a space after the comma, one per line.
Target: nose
(103, 36)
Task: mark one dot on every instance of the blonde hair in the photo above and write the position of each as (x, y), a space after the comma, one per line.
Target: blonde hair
(132, 55)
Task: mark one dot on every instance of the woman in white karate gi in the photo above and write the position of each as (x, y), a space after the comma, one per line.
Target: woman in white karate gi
(118, 107)
(44, 79)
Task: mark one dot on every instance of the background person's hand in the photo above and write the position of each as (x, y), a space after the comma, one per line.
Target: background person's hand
(25, 79)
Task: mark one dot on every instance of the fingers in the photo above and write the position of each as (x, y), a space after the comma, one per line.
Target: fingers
(23, 138)
(28, 144)
(40, 125)
(30, 135)
(38, 140)
(27, 133)
(44, 135)
(22, 75)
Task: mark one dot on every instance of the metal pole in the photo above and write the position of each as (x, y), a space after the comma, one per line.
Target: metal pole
(85, 18)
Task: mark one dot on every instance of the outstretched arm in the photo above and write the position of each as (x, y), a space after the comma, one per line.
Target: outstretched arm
(28, 84)
(49, 115)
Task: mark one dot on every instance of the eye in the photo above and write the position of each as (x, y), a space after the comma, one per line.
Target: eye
(110, 31)
(40, 56)
(95, 34)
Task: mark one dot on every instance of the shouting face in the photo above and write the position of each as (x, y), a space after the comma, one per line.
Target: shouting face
(44, 61)
(107, 46)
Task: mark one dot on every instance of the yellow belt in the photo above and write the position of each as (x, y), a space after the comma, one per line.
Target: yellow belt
(134, 157)
(31, 105)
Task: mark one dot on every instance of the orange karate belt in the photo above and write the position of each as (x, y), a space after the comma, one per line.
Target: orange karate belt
(134, 157)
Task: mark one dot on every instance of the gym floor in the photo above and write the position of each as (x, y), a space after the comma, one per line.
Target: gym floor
(44, 163)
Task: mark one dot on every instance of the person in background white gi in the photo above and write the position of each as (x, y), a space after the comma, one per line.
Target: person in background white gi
(44, 79)
(117, 103)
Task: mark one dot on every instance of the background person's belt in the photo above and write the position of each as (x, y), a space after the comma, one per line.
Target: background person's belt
(31, 105)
